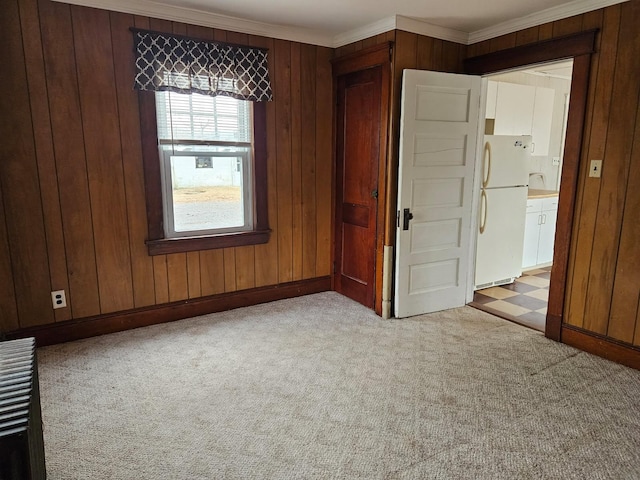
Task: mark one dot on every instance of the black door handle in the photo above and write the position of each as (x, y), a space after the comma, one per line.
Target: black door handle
(407, 215)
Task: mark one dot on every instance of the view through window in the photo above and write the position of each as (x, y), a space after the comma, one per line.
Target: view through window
(205, 147)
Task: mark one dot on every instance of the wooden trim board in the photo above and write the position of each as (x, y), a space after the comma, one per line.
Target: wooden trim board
(141, 317)
(601, 346)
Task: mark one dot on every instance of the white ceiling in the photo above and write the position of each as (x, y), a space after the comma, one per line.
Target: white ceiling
(337, 22)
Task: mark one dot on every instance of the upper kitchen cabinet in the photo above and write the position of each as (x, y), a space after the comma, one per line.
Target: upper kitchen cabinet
(522, 110)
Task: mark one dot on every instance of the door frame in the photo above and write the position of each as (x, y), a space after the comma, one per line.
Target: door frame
(376, 56)
(580, 47)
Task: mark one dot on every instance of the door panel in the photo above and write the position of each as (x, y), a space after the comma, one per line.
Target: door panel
(357, 154)
(439, 128)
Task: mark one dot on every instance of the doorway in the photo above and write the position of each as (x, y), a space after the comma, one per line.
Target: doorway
(357, 152)
(580, 47)
(362, 89)
(531, 101)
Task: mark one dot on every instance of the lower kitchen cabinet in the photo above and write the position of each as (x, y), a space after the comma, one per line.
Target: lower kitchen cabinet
(539, 231)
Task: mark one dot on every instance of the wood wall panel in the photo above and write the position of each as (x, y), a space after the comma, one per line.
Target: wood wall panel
(74, 206)
(68, 141)
(229, 271)
(266, 260)
(626, 289)
(18, 167)
(194, 275)
(503, 42)
(324, 162)
(103, 153)
(624, 100)
(8, 307)
(596, 23)
(296, 162)
(567, 26)
(307, 159)
(211, 272)
(34, 59)
(620, 136)
(128, 114)
(603, 67)
(282, 55)
(528, 35)
(545, 31)
(245, 267)
(177, 277)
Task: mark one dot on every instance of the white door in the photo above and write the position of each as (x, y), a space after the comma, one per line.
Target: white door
(438, 138)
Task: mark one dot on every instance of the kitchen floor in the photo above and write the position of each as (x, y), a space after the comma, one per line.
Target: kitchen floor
(523, 301)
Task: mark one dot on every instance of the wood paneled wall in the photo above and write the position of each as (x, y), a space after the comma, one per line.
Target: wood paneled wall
(603, 285)
(412, 51)
(72, 205)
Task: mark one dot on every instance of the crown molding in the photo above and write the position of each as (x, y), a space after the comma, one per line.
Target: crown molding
(331, 40)
(423, 28)
(375, 28)
(577, 7)
(208, 19)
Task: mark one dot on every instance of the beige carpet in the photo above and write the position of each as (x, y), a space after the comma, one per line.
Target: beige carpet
(319, 387)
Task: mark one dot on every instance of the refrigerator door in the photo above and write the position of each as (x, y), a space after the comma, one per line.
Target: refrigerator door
(505, 161)
(501, 236)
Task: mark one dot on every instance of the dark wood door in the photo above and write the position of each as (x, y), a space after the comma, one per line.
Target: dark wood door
(357, 156)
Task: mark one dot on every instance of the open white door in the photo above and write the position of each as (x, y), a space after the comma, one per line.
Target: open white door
(438, 138)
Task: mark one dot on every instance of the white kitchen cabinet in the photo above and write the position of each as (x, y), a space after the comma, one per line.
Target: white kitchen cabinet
(522, 110)
(514, 109)
(542, 118)
(531, 237)
(492, 97)
(539, 231)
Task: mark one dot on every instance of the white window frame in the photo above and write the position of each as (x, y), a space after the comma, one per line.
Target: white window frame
(167, 190)
(194, 148)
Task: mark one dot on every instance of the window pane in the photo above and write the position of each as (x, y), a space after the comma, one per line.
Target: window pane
(207, 192)
(201, 117)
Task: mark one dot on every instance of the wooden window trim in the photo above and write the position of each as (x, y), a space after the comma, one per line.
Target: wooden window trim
(156, 242)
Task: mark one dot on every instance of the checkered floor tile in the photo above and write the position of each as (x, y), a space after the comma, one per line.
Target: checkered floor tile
(524, 301)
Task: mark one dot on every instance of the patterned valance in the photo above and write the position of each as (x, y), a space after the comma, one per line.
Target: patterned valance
(185, 65)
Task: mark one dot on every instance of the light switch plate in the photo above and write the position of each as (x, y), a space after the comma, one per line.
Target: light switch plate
(595, 169)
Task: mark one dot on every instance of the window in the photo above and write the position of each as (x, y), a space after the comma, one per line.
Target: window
(202, 119)
(211, 169)
(206, 164)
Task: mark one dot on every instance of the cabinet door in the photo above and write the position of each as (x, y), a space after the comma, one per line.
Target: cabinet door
(542, 117)
(531, 235)
(514, 109)
(547, 236)
(492, 96)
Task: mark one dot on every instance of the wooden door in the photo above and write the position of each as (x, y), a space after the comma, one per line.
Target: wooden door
(357, 156)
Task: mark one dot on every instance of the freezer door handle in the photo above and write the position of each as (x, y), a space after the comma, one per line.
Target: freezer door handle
(483, 211)
(407, 216)
(486, 164)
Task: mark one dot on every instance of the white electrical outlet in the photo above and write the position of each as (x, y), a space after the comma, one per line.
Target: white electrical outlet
(59, 299)
(595, 169)
(555, 161)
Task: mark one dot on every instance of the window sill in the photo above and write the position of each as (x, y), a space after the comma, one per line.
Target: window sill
(164, 246)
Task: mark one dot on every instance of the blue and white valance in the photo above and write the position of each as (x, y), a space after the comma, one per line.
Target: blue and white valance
(185, 65)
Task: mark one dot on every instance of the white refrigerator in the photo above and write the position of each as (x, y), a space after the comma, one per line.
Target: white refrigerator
(502, 210)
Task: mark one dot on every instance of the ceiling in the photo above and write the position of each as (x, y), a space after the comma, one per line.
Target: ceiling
(337, 22)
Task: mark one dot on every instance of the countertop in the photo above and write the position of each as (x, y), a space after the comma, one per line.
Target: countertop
(537, 193)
